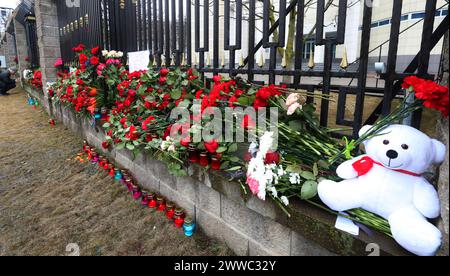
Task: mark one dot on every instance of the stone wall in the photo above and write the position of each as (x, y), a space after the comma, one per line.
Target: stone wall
(48, 38)
(8, 49)
(222, 210)
(443, 133)
(21, 46)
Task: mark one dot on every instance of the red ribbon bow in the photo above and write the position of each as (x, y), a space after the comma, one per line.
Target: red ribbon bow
(365, 164)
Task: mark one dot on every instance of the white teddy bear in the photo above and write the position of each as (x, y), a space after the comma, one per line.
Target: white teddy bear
(387, 181)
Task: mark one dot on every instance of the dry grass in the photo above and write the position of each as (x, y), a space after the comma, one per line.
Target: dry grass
(48, 200)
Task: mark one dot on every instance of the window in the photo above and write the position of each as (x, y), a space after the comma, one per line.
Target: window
(374, 25)
(444, 13)
(384, 22)
(309, 45)
(404, 17)
(418, 15)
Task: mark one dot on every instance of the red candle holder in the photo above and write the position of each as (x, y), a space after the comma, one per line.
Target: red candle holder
(85, 145)
(101, 162)
(152, 203)
(216, 163)
(106, 165)
(170, 210)
(112, 170)
(161, 203)
(136, 192)
(129, 184)
(145, 200)
(204, 162)
(193, 154)
(179, 217)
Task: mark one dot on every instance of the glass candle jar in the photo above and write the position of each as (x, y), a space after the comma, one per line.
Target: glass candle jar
(136, 192)
(89, 153)
(145, 200)
(170, 210)
(104, 113)
(117, 174)
(105, 164)
(85, 145)
(129, 184)
(94, 159)
(193, 154)
(101, 160)
(152, 203)
(179, 217)
(189, 227)
(112, 170)
(215, 163)
(204, 162)
(161, 204)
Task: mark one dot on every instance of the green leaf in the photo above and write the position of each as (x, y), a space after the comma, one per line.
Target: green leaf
(323, 164)
(234, 169)
(233, 148)
(136, 143)
(130, 146)
(221, 149)
(296, 125)
(176, 94)
(315, 170)
(294, 169)
(106, 125)
(308, 175)
(243, 101)
(309, 190)
(120, 146)
(234, 159)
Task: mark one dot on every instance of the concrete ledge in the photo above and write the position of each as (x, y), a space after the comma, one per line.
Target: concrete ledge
(246, 224)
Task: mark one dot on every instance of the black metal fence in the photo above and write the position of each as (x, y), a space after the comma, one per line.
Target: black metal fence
(177, 33)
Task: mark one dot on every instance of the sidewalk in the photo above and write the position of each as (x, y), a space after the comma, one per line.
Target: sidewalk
(48, 200)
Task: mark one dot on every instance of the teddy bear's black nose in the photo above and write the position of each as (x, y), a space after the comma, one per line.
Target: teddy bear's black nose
(392, 154)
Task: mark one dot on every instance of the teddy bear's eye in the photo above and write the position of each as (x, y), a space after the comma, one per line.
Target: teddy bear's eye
(386, 142)
(405, 146)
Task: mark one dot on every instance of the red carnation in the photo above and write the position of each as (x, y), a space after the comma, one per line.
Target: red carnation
(95, 50)
(164, 72)
(94, 61)
(272, 158)
(83, 59)
(217, 79)
(212, 146)
(105, 145)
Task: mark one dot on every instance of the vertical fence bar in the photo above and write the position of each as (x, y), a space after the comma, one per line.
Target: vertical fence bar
(173, 31)
(392, 56)
(251, 39)
(362, 71)
(320, 21)
(299, 42)
(181, 47)
(167, 32)
(216, 35)
(340, 37)
(188, 33)
(425, 51)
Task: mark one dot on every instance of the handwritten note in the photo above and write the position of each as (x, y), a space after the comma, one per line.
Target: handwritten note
(138, 60)
(347, 225)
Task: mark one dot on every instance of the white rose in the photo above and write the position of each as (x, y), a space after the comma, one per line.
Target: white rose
(293, 108)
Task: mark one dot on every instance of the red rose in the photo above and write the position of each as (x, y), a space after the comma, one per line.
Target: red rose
(272, 158)
(248, 122)
(217, 79)
(105, 145)
(162, 80)
(185, 141)
(123, 120)
(131, 93)
(83, 59)
(94, 61)
(211, 146)
(95, 50)
(164, 72)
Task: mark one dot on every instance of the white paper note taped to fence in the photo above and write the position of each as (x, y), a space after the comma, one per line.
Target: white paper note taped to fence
(138, 61)
(346, 225)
